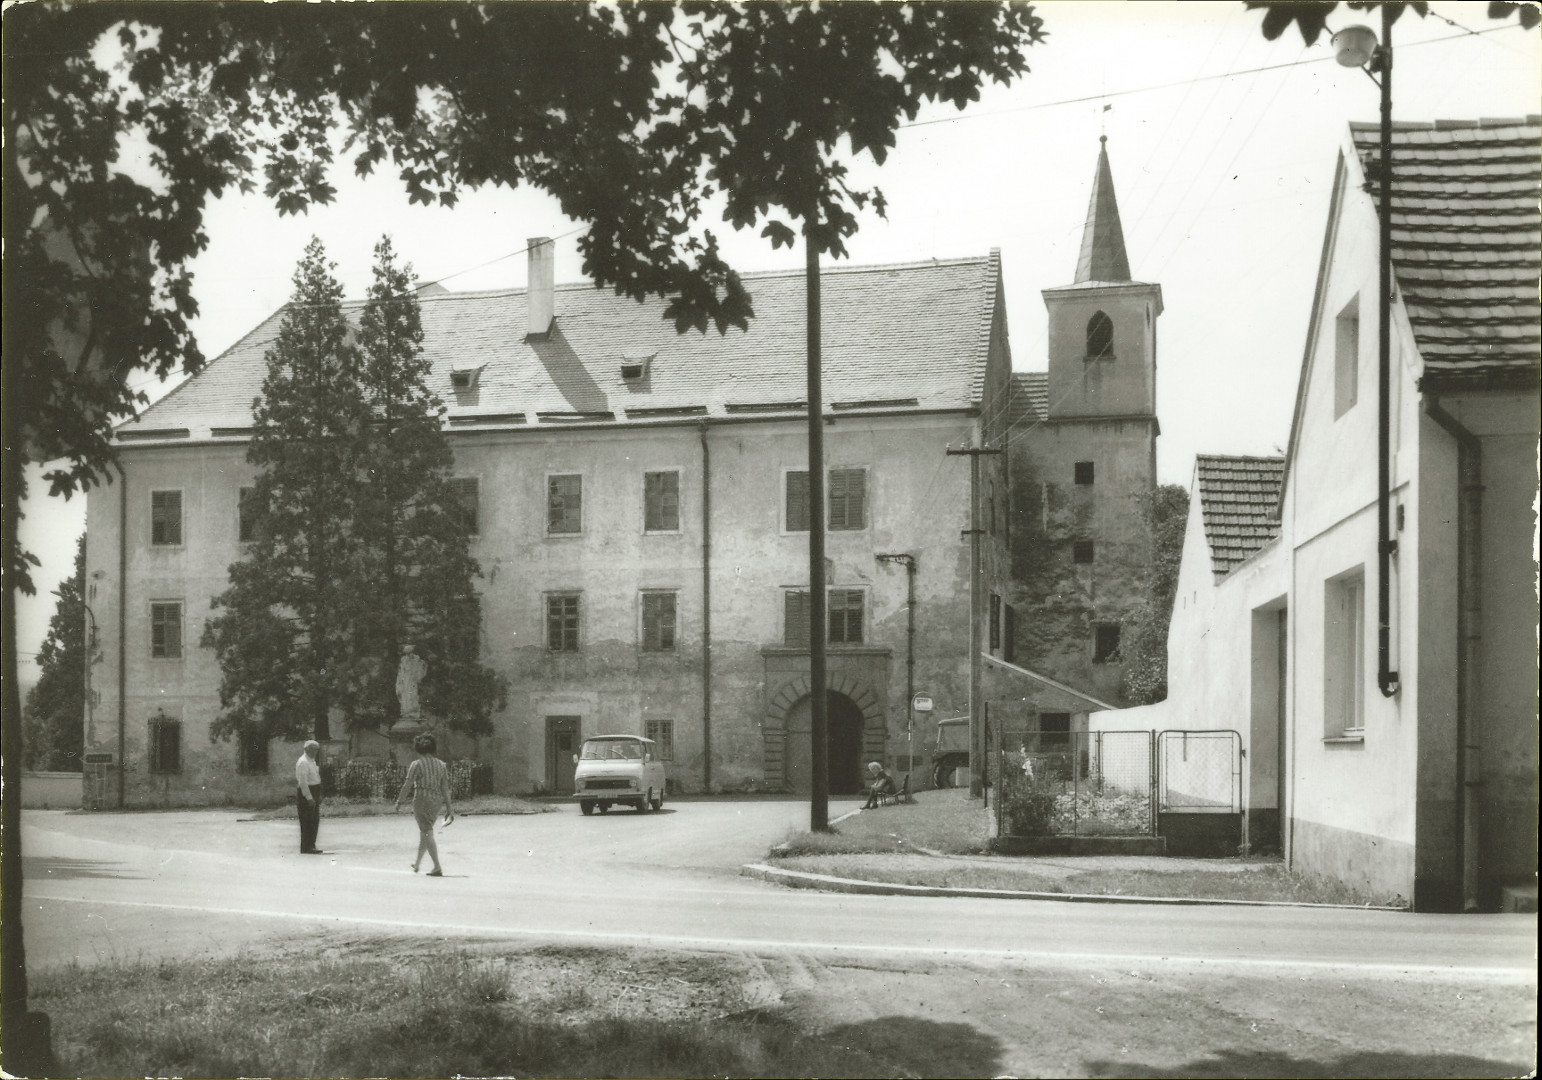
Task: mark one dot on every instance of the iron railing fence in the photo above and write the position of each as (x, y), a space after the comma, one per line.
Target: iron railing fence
(1199, 772)
(1074, 783)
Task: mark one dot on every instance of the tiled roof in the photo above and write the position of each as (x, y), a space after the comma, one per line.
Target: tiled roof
(895, 338)
(1239, 497)
(1466, 242)
(1030, 398)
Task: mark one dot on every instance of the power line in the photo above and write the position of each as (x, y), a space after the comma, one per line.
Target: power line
(1182, 82)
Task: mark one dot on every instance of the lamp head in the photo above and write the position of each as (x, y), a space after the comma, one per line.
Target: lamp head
(1354, 46)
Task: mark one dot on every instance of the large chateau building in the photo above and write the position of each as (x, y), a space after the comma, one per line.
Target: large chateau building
(638, 500)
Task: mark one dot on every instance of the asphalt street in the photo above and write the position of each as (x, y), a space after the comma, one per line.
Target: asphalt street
(153, 884)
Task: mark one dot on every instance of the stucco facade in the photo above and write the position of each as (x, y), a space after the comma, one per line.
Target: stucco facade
(721, 417)
(1428, 792)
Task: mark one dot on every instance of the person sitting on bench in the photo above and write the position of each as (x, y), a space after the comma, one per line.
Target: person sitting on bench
(880, 784)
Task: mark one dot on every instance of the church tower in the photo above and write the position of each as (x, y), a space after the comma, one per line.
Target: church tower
(1083, 468)
(1102, 327)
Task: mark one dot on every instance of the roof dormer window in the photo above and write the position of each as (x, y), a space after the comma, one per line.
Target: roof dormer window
(634, 369)
(465, 378)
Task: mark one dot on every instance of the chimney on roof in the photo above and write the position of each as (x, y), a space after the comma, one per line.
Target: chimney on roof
(540, 287)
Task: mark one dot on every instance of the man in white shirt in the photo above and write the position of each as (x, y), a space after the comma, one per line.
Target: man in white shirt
(307, 775)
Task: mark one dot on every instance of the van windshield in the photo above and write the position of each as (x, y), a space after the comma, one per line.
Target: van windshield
(612, 751)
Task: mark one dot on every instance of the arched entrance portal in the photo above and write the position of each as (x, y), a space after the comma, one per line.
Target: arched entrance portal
(844, 742)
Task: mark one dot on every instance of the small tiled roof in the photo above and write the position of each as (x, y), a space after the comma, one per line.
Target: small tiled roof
(1239, 497)
(1466, 242)
(895, 338)
(1030, 398)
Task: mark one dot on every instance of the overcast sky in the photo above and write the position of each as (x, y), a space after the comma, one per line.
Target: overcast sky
(1222, 183)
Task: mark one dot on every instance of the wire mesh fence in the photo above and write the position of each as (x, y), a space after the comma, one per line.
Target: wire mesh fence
(1199, 772)
(1074, 783)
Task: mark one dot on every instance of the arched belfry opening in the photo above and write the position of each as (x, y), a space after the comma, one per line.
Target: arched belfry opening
(1100, 337)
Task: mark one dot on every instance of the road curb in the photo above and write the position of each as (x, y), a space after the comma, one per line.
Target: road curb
(801, 879)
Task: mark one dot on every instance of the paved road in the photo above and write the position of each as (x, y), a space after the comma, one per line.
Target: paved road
(178, 882)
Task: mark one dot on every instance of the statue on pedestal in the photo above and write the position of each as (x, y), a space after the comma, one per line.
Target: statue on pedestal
(409, 673)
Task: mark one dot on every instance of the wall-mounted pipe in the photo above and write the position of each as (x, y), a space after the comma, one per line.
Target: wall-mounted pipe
(706, 610)
(123, 518)
(1386, 678)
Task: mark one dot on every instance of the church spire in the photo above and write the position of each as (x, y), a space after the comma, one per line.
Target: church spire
(1102, 256)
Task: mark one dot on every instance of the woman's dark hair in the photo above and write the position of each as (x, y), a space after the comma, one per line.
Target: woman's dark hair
(425, 744)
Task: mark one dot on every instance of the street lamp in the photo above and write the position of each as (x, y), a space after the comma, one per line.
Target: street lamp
(1356, 46)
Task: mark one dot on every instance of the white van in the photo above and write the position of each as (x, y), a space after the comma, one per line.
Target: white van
(618, 769)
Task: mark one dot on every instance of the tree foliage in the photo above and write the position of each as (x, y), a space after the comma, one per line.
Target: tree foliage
(358, 547)
(1145, 628)
(639, 118)
(1311, 16)
(54, 715)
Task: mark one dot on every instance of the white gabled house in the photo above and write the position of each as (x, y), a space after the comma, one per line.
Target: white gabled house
(1429, 792)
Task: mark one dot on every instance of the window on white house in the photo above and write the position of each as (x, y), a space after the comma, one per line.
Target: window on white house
(165, 745)
(661, 501)
(1346, 358)
(466, 491)
(658, 622)
(166, 630)
(562, 622)
(1344, 648)
(166, 518)
(662, 732)
(564, 504)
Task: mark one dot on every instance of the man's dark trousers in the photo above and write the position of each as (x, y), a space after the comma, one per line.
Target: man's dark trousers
(310, 816)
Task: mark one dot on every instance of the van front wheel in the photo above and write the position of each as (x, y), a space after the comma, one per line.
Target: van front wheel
(642, 803)
(587, 806)
(657, 801)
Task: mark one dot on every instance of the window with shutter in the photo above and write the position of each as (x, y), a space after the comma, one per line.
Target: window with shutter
(166, 518)
(661, 498)
(995, 628)
(795, 619)
(848, 499)
(797, 502)
(564, 504)
(166, 630)
(246, 515)
(658, 617)
(467, 493)
(845, 616)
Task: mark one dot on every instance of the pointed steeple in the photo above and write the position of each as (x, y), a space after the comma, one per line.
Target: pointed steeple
(1102, 257)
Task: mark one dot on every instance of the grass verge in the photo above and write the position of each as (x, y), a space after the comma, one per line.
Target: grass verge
(340, 806)
(431, 1012)
(896, 844)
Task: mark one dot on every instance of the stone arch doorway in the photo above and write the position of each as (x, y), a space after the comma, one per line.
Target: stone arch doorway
(843, 742)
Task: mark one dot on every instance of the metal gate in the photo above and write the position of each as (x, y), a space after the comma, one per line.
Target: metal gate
(1199, 772)
(1075, 783)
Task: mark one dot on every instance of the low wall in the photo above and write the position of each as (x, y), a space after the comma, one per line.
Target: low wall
(51, 790)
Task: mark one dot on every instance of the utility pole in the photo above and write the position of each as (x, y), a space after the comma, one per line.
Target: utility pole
(819, 712)
(976, 604)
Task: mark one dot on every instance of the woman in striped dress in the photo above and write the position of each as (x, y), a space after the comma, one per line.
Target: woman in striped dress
(428, 781)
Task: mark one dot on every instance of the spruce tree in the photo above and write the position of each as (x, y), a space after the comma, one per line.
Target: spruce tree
(412, 528)
(286, 636)
(55, 711)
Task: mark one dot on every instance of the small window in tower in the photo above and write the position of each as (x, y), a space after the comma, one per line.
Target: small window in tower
(1081, 551)
(1100, 337)
(1084, 473)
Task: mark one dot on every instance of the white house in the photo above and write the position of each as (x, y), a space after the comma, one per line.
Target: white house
(1430, 790)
